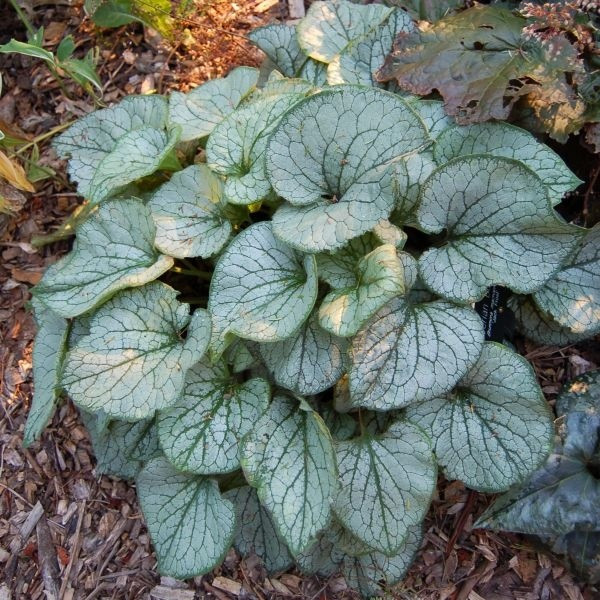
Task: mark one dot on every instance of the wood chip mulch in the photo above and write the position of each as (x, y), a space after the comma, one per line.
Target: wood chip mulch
(66, 533)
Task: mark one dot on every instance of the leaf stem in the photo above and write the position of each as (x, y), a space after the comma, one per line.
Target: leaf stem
(23, 17)
(43, 136)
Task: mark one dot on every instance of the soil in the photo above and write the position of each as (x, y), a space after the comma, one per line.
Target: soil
(66, 531)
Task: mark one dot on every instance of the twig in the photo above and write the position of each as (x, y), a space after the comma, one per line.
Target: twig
(74, 551)
(18, 542)
(462, 520)
(47, 559)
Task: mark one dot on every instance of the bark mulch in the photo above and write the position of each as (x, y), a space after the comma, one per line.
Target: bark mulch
(67, 533)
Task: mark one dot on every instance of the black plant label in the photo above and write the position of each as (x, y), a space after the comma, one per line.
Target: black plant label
(498, 320)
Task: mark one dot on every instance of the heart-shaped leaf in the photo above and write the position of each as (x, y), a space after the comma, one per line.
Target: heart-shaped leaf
(199, 111)
(133, 361)
(236, 147)
(91, 139)
(496, 428)
(114, 250)
(200, 433)
(329, 26)
(500, 228)
(190, 523)
(563, 495)
(308, 362)
(255, 531)
(49, 349)
(279, 42)
(189, 214)
(380, 277)
(368, 572)
(572, 296)
(261, 289)
(411, 353)
(364, 56)
(121, 447)
(502, 139)
(386, 485)
(330, 158)
(289, 458)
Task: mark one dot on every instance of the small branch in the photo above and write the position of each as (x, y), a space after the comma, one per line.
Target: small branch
(47, 559)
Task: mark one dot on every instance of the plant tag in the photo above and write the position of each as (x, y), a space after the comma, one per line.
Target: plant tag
(497, 318)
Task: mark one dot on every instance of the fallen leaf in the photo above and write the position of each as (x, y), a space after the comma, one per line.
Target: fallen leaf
(14, 174)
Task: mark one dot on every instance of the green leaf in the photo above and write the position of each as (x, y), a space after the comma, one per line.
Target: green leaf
(236, 147)
(83, 71)
(120, 447)
(136, 154)
(368, 573)
(114, 250)
(279, 42)
(289, 458)
(495, 429)
(200, 433)
(14, 46)
(190, 523)
(323, 557)
(330, 158)
(199, 111)
(564, 494)
(433, 115)
(500, 229)
(427, 10)
(409, 182)
(189, 213)
(49, 349)
(133, 362)
(407, 353)
(572, 296)
(379, 278)
(484, 45)
(386, 485)
(308, 362)
(255, 531)
(261, 289)
(110, 13)
(66, 48)
(329, 26)
(362, 57)
(90, 142)
(502, 139)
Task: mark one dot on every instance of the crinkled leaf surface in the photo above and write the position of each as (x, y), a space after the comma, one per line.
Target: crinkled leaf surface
(541, 327)
(190, 523)
(308, 362)
(89, 141)
(563, 495)
(120, 447)
(502, 139)
(289, 458)
(496, 428)
(369, 572)
(236, 147)
(255, 531)
(114, 250)
(330, 158)
(189, 214)
(407, 353)
(433, 115)
(386, 484)
(199, 111)
(362, 57)
(49, 350)
(329, 26)
(261, 289)
(136, 154)
(427, 10)
(279, 42)
(200, 433)
(572, 296)
(380, 277)
(500, 228)
(477, 60)
(324, 556)
(133, 362)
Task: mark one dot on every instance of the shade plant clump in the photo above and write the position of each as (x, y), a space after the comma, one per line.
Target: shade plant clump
(266, 320)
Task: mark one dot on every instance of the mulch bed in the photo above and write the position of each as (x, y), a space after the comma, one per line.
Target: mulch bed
(66, 531)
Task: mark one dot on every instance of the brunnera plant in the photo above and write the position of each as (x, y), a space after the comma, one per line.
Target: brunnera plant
(266, 320)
